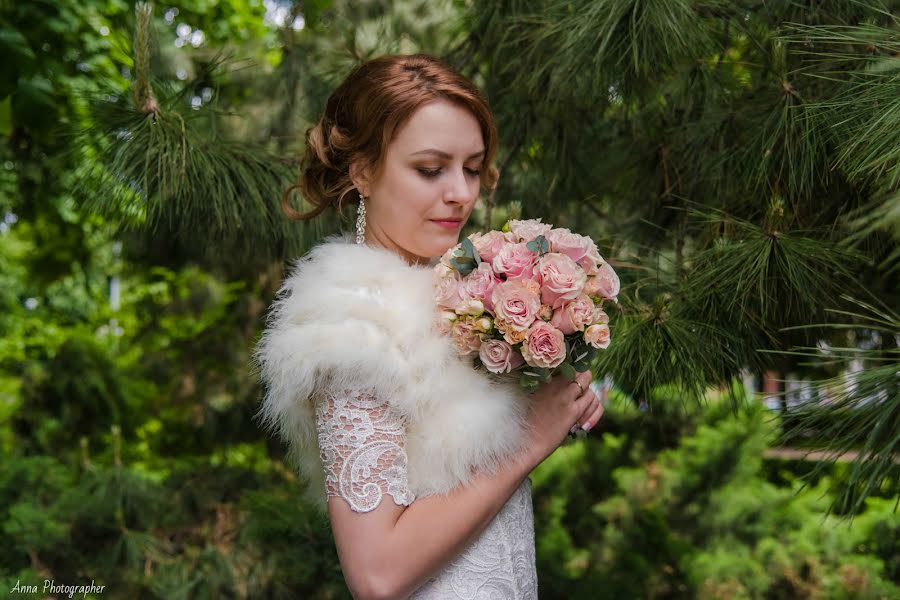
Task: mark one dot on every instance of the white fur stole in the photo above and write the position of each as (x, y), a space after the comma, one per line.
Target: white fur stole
(350, 315)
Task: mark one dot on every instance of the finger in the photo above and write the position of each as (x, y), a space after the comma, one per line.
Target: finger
(589, 409)
(582, 407)
(584, 378)
(594, 418)
(580, 385)
(585, 406)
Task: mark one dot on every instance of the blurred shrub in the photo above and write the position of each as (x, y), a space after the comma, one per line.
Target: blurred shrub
(623, 515)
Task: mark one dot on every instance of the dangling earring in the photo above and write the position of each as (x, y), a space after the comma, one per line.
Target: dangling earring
(361, 220)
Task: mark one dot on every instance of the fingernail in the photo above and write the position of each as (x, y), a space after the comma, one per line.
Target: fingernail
(574, 428)
(586, 426)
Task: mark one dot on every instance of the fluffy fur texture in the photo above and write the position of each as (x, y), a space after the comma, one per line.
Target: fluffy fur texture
(350, 315)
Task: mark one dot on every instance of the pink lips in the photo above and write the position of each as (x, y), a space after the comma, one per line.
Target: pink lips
(448, 224)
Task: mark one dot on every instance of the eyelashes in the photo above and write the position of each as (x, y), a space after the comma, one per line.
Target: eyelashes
(432, 173)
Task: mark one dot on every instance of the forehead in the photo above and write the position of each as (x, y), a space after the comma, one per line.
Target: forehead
(442, 125)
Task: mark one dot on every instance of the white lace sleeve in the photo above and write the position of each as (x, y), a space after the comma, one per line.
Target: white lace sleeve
(362, 444)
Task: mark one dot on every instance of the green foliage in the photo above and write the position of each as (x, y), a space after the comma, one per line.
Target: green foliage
(737, 162)
(698, 518)
(465, 258)
(863, 412)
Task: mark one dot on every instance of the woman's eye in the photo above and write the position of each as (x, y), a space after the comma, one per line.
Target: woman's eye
(431, 173)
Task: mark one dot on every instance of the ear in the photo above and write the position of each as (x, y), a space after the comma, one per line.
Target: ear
(360, 174)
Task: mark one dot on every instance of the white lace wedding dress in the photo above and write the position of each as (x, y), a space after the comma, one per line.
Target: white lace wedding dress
(362, 446)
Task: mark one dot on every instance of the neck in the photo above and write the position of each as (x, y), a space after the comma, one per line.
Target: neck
(413, 260)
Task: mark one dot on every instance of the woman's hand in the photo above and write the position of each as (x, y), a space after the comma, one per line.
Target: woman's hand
(556, 407)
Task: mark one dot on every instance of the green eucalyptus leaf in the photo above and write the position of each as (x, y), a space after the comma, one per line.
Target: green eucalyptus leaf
(539, 373)
(527, 382)
(539, 245)
(469, 248)
(462, 265)
(568, 371)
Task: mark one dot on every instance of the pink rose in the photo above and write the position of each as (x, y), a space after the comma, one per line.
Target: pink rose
(600, 316)
(480, 284)
(515, 261)
(516, 304)
(529, 229)
(544, 346)
(499, 357)
(571, 244)
(465, 336)
(561, 279)
(574, 316)
(607, 282)
(489, 244)
(591, 261)
(597, 335)
(447, 292)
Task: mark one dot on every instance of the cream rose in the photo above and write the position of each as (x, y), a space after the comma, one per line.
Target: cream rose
(443, 321)
(511, 333)
(441, 271)
(515, 261)
(471, 306)
(499, 357)
(597, 335)
(465, 336)
(561, 279)
(544, 346)
(483, 324)
(545, 312)
(574, 316)
(448, 256)
(592, 287)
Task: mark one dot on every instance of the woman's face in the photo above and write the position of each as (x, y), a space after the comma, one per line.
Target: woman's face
(430, 173)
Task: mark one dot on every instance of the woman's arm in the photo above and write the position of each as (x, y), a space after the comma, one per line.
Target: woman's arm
(391, 550)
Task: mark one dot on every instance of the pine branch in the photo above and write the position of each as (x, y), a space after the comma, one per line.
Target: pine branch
(157, 167)
(857, 412)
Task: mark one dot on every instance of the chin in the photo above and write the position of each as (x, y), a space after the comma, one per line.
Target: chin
(436, 246)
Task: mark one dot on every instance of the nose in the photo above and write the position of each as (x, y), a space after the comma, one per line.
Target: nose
(459, 188)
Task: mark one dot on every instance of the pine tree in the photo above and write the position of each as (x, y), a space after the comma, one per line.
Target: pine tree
(740, 162)
(737, 160)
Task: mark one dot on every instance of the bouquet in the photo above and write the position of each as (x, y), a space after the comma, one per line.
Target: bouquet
(528, 299)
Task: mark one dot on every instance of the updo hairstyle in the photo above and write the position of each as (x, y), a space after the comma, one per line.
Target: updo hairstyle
(364, 113)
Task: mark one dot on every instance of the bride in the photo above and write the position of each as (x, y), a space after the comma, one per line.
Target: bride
(420, 461)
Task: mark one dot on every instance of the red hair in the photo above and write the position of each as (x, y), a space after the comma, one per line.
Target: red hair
(363, 115)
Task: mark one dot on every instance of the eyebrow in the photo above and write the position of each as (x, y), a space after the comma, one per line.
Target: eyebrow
(442, 154)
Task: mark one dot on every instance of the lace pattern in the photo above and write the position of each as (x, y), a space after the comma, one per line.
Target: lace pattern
(363, 450)
(499, 564)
